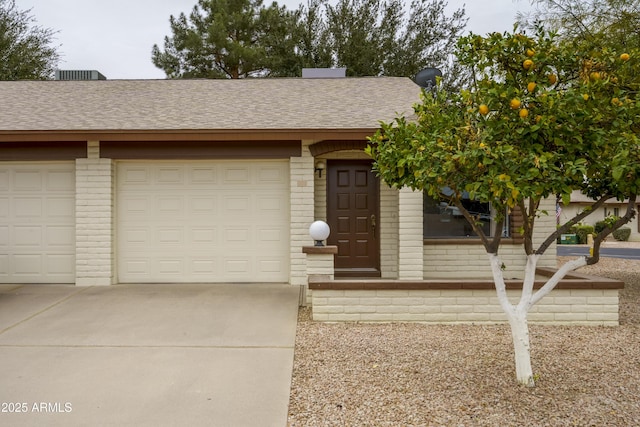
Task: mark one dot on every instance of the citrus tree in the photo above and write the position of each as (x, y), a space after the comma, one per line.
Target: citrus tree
(540, 121)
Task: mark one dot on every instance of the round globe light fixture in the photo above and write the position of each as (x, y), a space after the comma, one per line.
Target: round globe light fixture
(319, 231)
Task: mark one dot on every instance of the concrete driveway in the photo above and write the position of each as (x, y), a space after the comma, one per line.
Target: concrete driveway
(138, 355)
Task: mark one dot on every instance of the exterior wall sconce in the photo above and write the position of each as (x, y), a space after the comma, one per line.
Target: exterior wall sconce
(319, 168)
(319, 231)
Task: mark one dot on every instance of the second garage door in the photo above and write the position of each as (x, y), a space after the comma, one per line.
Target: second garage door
(209, 221)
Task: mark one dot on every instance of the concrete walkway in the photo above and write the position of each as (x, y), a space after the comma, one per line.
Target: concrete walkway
(146, 355)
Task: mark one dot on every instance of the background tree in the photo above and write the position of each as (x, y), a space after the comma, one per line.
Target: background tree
(25, 48)
(229, 39)
(596, 22)
(233, 39)
(383, 37)
(542, 119)
(312, 35)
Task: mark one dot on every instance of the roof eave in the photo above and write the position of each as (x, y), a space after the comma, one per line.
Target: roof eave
(185, 135)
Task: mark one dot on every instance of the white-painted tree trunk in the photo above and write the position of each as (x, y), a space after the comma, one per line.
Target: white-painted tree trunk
(517, 314)
(522, 348)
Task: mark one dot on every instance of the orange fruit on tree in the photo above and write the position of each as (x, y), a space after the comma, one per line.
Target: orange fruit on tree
(531, 87)
(527, 64)
(515, 103)
(552, 78)
(585, 96)
(625, 57)
(530, 52)
(594, 75)
(523, 113)
(483, 109)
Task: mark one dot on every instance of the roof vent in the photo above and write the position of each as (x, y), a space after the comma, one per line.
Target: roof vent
(79, 75)
(324, 73)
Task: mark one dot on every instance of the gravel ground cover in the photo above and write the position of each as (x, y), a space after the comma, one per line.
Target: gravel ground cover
(401, 374)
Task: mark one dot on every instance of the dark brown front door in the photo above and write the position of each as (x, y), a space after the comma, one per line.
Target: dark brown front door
(353, 216)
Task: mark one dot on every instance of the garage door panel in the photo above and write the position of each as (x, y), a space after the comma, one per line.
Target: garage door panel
(4, 267)
(27, 236)
(270, 204)
(235, 236)
(135, 205)
(60, 236)
(27, 265)
(170, 266)
(236, 205)
(208, 221)
(133, 176)
(237, 266)
(205, 266)
(271, 174)
(27, 207)
(28, 180)
(270, 265)
(270, 235)
(58, 265)
(4, 208)
(172, 236)
(170, 175)
(60, 207)
(203, 205)
(234, 175)
(204, 236)
(60, 180)
(5, 182)
(170, 205)
(135, 236)
(4, 238)
(203, 175)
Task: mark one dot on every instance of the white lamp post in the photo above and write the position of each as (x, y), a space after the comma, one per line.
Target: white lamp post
(319, 231)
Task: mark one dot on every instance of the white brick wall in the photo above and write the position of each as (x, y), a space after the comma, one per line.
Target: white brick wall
(388, 232)
(94, 219)
(320, 265)
(410, 240)
(302, 210)
(470, 261)
(575, 306)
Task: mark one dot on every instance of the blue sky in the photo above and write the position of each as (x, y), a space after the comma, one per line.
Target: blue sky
(115, 37)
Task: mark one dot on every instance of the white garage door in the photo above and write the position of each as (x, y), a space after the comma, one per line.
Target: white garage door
(37, 222)
(209, 221)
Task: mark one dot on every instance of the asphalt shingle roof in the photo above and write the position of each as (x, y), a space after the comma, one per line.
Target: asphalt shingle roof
(251, 104)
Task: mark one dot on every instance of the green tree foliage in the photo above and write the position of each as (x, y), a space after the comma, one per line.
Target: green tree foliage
(597, 22)
(543, 118)
(229, 39)
(243, 38)
(25, 48)
(376, 37)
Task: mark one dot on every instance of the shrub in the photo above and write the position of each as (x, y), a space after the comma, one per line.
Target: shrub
(622, 234)
(582, 230)
(607, 222)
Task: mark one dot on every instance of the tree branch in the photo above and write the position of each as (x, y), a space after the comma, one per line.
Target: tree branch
(471, 220)
(573, 221)
(528, 230)
(597, 241)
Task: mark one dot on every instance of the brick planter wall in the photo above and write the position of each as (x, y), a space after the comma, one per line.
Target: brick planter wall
(578, 300)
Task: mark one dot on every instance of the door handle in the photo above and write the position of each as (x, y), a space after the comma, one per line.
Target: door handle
(373, 225)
